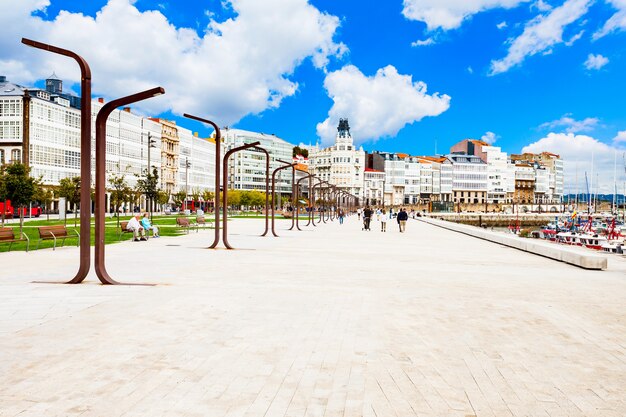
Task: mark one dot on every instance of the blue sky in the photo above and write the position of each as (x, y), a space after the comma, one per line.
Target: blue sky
(411, 75)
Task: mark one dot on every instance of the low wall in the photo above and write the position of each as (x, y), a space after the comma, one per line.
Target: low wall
(496, 219)
(538, 247)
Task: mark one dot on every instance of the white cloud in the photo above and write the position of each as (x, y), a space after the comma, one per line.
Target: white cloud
(379, 105)
(576, 152)
(617, 22)
(470, 70)
(620, 138)
(489, 138)
(238, 67)
(502, 25)
(425, 42)
(574, 38)
(541, 34)
(572, 125)
(449, 14)
(595, 62)
(542, 6)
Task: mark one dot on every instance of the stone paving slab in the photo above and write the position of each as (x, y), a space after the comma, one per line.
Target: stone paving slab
(327, 322)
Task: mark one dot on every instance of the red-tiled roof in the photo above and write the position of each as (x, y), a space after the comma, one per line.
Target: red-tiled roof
(372, 170)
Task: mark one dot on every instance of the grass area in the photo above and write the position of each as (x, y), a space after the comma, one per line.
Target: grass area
(167, 227)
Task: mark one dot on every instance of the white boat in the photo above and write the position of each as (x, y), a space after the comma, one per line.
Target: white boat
(613, 246)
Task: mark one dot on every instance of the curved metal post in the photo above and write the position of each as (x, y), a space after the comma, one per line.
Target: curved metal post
(267, 189)
(324, 193)
(85, 155)
(101, 120)
(274, 189)
(218, 161)
(294, 205)
(298, 195)
(225, 185)
(312, 203)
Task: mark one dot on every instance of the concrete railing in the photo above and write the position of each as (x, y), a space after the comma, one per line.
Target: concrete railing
(538, 247)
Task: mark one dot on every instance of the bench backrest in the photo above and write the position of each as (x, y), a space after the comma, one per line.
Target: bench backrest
(123, 225)
(6, 233)
(200, 220)
(48, 231)
(182, 221)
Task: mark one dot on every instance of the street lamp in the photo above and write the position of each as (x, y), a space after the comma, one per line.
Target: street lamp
(151, 142)
(101, 121)
(85, 155)
(187, 165)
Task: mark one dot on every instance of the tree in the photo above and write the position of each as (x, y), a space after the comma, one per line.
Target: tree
(257, 198)
(244, 198)
(195, 194)
(234, 198)
(179, 198)
(3, 196)
(19, 187)
(119, 193)
(44, 196)
(150, 187)
(208, 196)
(162, 198)
(300, 151)
(69, 188)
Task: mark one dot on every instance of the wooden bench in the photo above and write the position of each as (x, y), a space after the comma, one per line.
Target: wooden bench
(8, 236)
(124, 229)
(201, 221)
(185, 224)
(55, 233)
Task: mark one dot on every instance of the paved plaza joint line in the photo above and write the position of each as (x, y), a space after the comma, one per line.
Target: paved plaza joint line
(330, 321)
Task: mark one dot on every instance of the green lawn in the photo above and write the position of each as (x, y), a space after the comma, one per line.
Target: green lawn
(167, 227)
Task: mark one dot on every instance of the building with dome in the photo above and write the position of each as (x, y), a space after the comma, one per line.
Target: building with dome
(342, 164)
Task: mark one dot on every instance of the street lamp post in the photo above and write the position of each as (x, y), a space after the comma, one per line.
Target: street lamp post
(151, 143)
(225, 186)
(274, 188)
(85, 155)
(218, 161)
(101, 121)
(187, 165)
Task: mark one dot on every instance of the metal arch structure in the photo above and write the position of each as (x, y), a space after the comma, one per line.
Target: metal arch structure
(101, 120)
(267, 188)
(293, 167)
(225, 185)
(218, 161)
(309, 176)
(294, 198)
(85, 155)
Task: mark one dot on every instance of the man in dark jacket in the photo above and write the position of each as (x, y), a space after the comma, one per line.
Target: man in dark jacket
(367, 218)
(402, 218)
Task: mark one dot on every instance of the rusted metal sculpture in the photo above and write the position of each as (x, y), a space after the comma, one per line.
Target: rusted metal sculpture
(294, 200)
(225, 185)
(309, 176)
(85, 155)
(218, 160)
(101, 120)
(292, 166)
(267, 189)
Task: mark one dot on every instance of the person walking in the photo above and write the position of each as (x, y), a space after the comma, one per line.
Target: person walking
(358, 212)
(383, 221)
(340, 214)
(367, 218)
(402, 218)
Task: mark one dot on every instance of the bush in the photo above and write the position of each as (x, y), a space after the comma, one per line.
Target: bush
(525, 232)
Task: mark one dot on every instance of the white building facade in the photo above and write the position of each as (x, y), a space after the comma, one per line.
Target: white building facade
(247, 168)
(342, 165)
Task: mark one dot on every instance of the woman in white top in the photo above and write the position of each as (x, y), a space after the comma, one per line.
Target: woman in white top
(383, 222)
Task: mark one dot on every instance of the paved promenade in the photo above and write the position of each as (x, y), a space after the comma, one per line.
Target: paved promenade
(331, 322)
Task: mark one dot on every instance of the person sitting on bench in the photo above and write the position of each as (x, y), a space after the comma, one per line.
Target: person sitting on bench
(137, 229)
